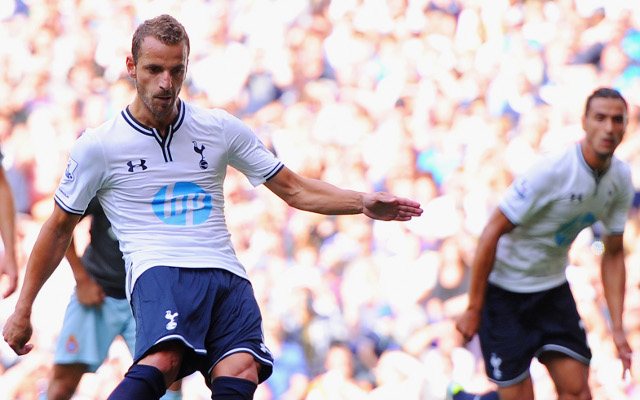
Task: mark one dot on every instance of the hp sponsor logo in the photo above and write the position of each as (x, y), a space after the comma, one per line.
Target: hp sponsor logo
(182, 203)
(567, 233)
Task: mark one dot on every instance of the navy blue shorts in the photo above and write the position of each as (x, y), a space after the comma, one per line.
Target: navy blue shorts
(516, 327)
(212, 311)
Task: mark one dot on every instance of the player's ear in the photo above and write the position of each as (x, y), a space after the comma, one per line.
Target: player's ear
(131, 67)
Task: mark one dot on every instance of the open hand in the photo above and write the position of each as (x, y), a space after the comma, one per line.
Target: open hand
(387, 207)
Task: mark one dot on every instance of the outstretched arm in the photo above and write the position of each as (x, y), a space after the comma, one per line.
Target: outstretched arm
(613, 272)
(323, 198)
(481, 267)
(47, 253)
(9, 265)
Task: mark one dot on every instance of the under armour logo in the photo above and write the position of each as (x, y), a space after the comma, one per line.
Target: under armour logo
(132, 166)
(495, 363)
(203, 163)
(171, 317)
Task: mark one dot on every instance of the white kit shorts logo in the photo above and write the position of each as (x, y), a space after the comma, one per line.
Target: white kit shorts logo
(172, 324)
(495, 363)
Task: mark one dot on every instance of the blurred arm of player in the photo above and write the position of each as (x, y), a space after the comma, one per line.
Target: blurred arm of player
(485, 255)
(9, 265)
(613, 271)
(323, 198)
(46, 255)
(88, 291)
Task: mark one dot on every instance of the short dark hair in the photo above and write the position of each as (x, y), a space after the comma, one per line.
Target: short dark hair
(604, 92)
(165, 28)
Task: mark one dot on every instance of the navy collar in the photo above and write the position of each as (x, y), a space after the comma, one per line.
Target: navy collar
(144, 129)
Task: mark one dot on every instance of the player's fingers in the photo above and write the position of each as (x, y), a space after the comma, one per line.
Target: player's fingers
(625, 358)
(25, 349)
(466, 336)
(19, 348)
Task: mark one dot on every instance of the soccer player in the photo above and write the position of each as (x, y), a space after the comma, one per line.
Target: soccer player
(9, 265)
(520, 302)
(158, 169)
(98, 310)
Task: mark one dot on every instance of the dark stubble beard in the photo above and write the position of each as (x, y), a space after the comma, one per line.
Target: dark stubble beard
(148, 102)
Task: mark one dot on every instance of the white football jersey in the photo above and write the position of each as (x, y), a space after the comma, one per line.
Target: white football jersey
(164, 196)
(550, 204)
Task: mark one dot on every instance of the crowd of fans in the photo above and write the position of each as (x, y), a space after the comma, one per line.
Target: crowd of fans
(441, 101)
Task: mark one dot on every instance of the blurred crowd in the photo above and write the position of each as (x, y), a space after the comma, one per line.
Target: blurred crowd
(441, 101)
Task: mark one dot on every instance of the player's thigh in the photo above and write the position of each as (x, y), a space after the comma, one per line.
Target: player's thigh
(522, 390)
(570, 376)
(237, 342)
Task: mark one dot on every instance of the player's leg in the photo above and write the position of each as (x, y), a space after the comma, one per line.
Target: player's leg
(167, 304)
(565, 353)
(64, 380)
(149, 377)
(570, 376)
(239, 359)
(128, 333)
(157, 356)
(235, 377)
(508, 341)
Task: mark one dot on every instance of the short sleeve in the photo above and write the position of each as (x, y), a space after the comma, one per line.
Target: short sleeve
(83, 176)
(248, 154)
(528, 193)
(616, 219)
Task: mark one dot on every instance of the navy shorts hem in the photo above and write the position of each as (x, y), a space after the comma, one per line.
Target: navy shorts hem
(510, 382)
(564, 350)
(265, 360)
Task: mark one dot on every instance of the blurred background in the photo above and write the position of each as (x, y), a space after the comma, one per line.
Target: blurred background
(441, 101)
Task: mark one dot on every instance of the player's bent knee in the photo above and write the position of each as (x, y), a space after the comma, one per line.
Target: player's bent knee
(230, 388)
